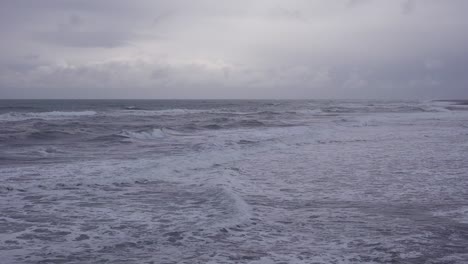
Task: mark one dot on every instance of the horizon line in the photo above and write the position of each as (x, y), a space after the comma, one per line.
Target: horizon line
(238, 99)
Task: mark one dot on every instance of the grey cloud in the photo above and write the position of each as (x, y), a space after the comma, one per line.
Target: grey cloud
(433, 64)
(234, 49)
(285, 13)
(75, 20)
(86, 39)
(354, 3)
(75, 31)
(408, 6)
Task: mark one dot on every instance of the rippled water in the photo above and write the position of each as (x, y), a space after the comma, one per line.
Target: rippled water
(233, 182)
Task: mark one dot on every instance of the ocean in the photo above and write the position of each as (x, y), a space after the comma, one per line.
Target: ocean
(233, 181)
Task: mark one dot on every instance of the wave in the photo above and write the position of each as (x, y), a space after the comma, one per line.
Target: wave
(316, 111)
(131, 107)
(50, 134)
(175, 132)
(434, 109)
(375, 108)
(46, 151)
(164, 112)
(212, 127)
(54, 115)
(250, 123)
(109, 138)
(231, 124)
(246, 142)
(321, 110)
(3, 108)
(37, 135)
(144, 135)
(181, 111)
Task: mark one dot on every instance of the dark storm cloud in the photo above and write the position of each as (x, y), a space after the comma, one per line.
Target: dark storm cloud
(241, 49)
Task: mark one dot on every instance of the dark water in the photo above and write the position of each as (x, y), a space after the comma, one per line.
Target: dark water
(148, 181)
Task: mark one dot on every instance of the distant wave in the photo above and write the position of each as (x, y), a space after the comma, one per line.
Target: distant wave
(3, 108)
(181, 111)
(18, 116)
(135, 108)
(318, 111)
(169, 112)
(230, 123)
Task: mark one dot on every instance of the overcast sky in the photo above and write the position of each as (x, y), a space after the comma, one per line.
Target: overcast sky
(389, 49)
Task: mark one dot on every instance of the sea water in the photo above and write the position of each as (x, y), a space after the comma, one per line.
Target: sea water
(233, 181)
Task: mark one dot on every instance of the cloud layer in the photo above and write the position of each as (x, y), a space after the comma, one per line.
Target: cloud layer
(404, 49)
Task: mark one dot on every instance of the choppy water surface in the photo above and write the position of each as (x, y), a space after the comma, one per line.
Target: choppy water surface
(233, 182)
